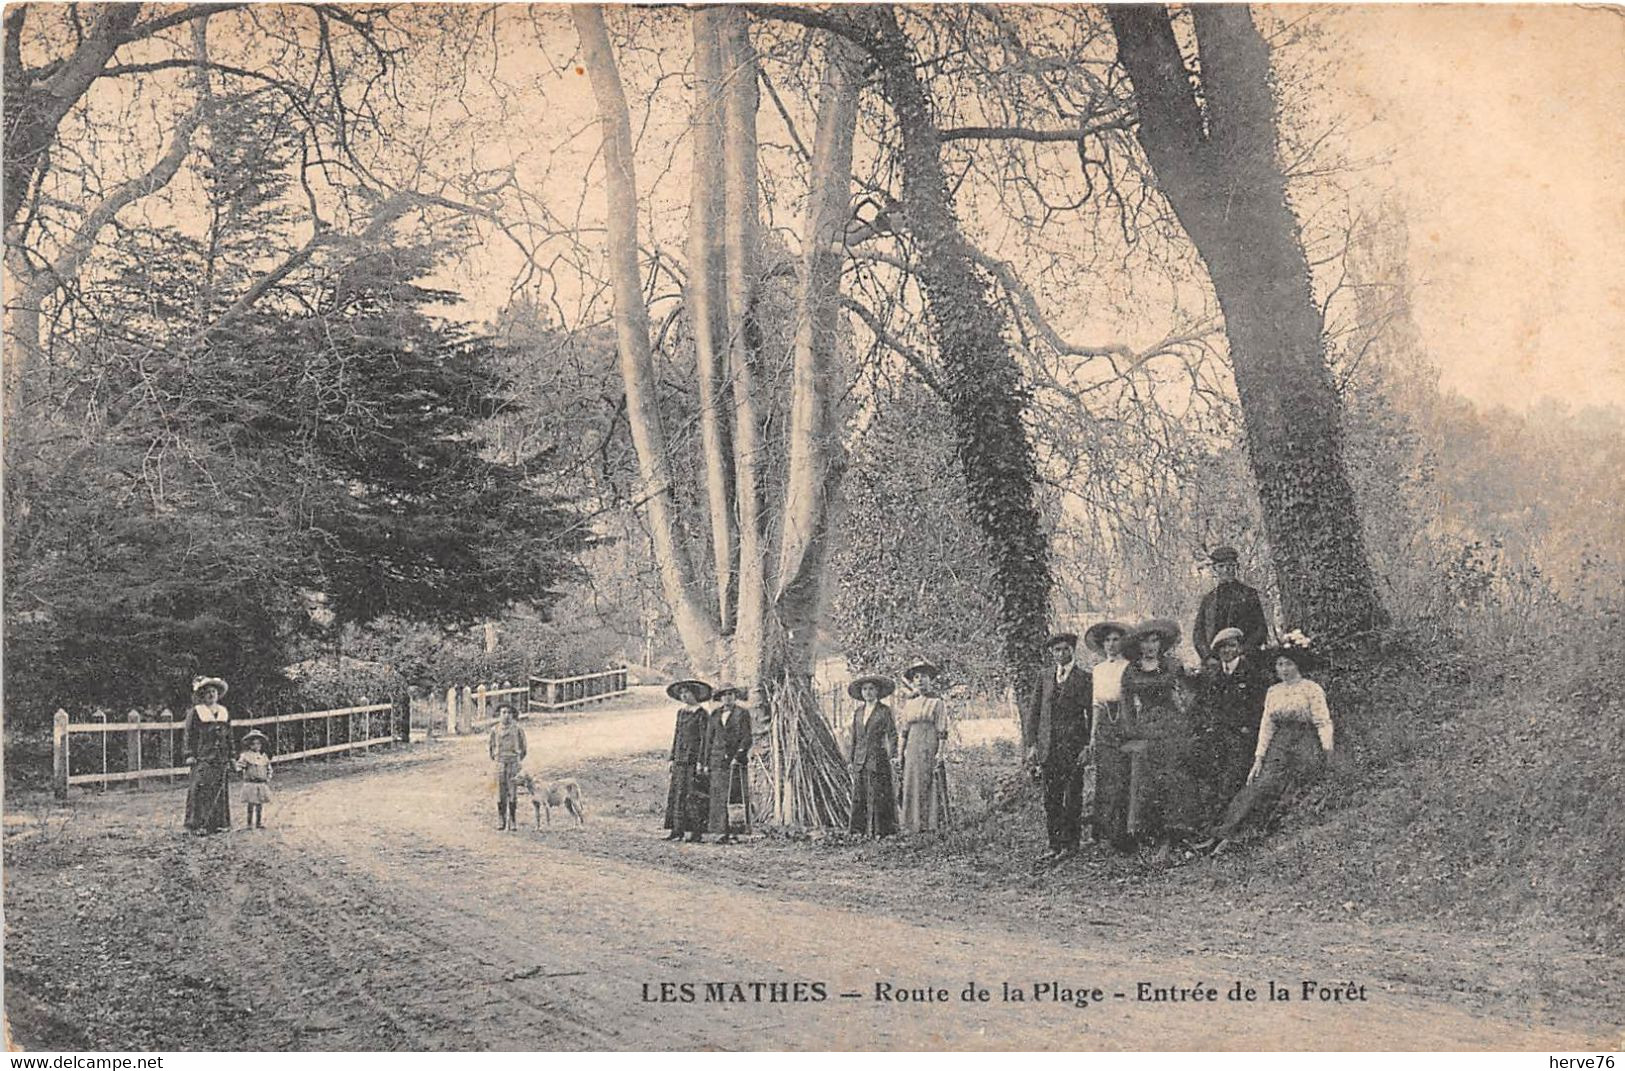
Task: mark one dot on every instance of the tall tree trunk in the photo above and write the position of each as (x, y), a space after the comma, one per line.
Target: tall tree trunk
(982, 383)
(698, 631)
(1224, 181)
(707, 301)
(741, 255)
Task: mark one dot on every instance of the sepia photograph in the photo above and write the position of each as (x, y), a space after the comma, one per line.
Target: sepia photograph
(813, 527)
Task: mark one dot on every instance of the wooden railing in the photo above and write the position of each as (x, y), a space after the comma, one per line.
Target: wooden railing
(562, 693)
(472, 708)
(364, 729)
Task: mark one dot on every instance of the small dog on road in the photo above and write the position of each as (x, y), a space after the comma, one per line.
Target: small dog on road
(550, 794)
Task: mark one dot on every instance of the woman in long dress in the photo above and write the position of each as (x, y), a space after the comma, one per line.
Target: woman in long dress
(924, 734)
(874, 750)
(687, 800)
(1162, 793)
(1295, 739)
(728, 736)
(1109, 815)
(210, 754)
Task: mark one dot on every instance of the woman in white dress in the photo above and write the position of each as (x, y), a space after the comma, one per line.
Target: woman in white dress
(924, 731)
(1295, 739)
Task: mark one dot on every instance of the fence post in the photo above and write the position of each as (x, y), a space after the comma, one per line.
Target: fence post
(479, 704)
(132, 746)
(102, 714)
(465, 710)
(59, 754)
(166, 715)
(451, 711)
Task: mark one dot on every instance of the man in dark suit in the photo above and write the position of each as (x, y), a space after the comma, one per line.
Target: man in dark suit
(1230, 605)
(1232, 691)
(1055, 727)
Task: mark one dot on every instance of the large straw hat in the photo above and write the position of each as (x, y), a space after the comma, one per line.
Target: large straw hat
(702, 690)
(1094, 637)
(886, 685)
(1157, 626)
(217, 683)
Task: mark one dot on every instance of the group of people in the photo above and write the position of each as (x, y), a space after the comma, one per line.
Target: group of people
(710, 756)
(211, 756)
(1174, 755)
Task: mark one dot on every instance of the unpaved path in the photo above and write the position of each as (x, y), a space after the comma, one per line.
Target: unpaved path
(384, 910)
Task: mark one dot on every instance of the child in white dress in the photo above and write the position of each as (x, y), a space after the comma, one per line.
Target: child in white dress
(255, 766)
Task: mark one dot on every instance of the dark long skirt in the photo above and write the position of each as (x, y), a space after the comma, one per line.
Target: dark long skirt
(687, 799)
(874, 801)
(728, 784)
(208, 798)
(1112, 768)
(1163, 795)
(1294, 758)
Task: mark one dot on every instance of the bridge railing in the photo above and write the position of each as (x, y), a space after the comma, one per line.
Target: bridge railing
(135, 749)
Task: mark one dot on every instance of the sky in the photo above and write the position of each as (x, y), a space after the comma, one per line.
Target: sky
(1505, 127)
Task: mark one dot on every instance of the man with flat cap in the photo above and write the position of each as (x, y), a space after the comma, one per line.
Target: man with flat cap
(1230, 605)
(1055, 727)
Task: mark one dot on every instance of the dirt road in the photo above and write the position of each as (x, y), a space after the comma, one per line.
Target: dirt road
(384, 910)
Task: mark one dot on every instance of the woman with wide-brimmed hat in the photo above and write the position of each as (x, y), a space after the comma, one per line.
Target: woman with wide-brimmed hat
(874, 753)
(687, 797)
(924, 735)
(1162, 794)
(728, 736)
(208, 749)
(1295, 736)
(1109, 812)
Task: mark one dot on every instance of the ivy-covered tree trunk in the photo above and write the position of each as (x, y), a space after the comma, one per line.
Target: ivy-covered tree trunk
(1215, 160)
(981, 381)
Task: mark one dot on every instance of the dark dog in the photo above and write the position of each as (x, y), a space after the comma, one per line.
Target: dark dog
(550, 794)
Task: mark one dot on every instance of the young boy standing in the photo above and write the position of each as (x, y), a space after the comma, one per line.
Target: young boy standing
(507, 747)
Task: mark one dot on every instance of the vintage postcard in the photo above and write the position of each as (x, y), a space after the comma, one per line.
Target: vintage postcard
(811, 527)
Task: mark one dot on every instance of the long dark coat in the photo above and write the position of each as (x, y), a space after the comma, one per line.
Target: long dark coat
(1230, 605)
(686, 798)
(727, 756)
(874, 796)
(209, 746)
(1230, 707)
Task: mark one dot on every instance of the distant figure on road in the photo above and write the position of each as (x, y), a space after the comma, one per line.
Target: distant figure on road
(209, 754)
(1230, 605)
(507, 748)
(255, 766)
(688, 797)
(874, 751)
(727, 759)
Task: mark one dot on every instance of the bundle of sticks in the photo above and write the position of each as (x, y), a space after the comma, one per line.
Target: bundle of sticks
(809, 780)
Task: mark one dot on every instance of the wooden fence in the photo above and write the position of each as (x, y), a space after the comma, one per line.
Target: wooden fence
(134, 749)
(562, 693)
(471, 708)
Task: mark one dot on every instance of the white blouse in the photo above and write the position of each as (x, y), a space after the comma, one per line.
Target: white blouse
(1300, 703)
(1108, 680)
